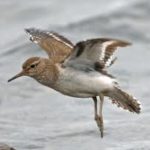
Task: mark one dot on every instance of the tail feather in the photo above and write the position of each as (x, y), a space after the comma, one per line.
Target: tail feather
(124, 100)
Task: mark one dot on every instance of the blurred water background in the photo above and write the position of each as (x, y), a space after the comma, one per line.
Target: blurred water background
(33, 117)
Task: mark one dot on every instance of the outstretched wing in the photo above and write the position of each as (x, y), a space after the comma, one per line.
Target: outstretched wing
(97, 50)
(56, 46)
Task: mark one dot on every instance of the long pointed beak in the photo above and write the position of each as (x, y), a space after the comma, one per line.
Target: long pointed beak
(17, 76)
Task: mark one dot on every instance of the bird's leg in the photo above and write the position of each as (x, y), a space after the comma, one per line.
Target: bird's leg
(97, 117)
(101, 114)
(95, 108)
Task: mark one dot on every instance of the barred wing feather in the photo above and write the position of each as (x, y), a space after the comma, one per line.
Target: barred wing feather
(56, 46)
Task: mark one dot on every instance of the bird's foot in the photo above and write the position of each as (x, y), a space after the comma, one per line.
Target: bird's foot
(99, 121)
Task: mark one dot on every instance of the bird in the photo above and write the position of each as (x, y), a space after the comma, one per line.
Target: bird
(79, 70)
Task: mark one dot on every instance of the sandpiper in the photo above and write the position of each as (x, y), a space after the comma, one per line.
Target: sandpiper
(78, 70)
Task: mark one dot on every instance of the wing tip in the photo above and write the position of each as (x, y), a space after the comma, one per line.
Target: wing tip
(123, 43)
(30, 30)
(126, 43)
(38, 32)
(27, 30)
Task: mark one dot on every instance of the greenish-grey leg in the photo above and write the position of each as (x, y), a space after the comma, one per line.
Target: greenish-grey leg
(98, 117)
(101, 115)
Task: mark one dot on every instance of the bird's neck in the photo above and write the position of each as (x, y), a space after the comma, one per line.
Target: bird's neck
(49, 75)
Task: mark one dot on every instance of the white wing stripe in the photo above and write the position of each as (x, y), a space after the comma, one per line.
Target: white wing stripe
(109, 61)
(58, 39)
(104, 46)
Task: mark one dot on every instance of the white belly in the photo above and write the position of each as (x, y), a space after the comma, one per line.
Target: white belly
(81, 84)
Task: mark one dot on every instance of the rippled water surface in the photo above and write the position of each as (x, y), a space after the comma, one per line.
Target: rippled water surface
(35, 117)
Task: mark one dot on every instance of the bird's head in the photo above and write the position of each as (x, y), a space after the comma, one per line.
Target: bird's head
(32, 67)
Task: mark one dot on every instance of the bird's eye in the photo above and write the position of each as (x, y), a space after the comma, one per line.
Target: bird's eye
(33, 66)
